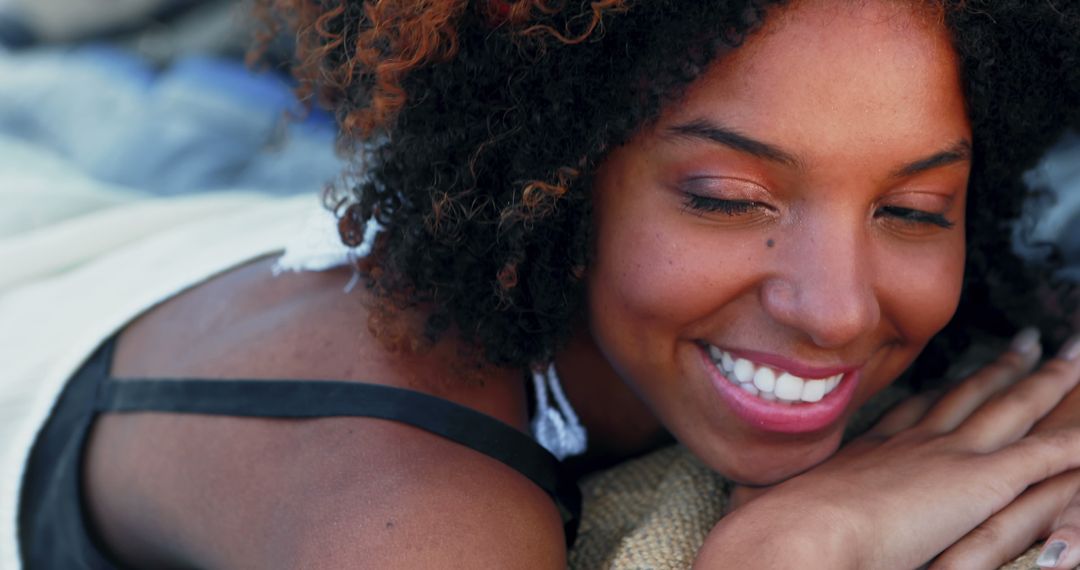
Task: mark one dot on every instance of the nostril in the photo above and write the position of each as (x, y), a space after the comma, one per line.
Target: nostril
(830, 314)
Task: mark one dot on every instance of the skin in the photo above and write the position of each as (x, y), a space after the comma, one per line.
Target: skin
(927, 474)
(823, 274)
(843, 282)
(189, 491)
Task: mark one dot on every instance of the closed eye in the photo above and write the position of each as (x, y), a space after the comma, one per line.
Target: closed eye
(911, 216)
(705, 204)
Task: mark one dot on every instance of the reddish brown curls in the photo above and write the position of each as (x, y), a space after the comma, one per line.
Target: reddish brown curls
(347, 46)
(351, 226)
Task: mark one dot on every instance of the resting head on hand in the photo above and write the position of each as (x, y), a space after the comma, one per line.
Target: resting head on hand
(682, 205)
(728, 222)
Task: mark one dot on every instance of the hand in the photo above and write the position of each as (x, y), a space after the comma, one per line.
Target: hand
(928, 473)
(1049, 508)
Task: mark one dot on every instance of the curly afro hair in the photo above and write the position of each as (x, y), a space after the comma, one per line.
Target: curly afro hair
(478, 126)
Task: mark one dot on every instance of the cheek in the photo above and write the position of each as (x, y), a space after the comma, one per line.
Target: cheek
(651, 282)
(631, 281)
(921, 287)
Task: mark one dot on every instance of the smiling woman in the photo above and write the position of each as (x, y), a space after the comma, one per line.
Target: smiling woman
(727, 223)
(864, 197)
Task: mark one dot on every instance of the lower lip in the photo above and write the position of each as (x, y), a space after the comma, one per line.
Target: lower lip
(783, 418)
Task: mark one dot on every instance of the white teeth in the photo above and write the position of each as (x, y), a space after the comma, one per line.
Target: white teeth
(727, 362)
(769, 384)
(744, 370)
(788, 387)
(765, 379)
(813, 390)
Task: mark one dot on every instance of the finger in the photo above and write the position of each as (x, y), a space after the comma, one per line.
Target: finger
(960, 402)
(905, 414)
(1062, 548)
(1010, 532)
(1036, 457)
(1066, 414)
(1057, 553)
(1010, 415)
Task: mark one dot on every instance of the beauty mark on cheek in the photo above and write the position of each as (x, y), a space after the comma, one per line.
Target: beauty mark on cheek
(770, 243)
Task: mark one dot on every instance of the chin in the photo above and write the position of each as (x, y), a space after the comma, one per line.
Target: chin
(765, 464)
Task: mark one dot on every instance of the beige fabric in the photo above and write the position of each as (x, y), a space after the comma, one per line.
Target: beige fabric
(653, 513)
(87, 276)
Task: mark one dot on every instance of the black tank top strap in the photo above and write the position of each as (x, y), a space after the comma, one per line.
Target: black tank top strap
(316, 399)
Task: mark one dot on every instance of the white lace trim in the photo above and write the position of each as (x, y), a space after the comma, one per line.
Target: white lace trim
(318, 246)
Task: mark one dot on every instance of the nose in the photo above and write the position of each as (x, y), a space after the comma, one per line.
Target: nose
(822, 285)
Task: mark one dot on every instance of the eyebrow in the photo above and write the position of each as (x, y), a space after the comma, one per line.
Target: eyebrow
(702, 129)
(960, 151)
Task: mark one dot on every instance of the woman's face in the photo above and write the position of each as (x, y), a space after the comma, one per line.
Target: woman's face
(791, 230)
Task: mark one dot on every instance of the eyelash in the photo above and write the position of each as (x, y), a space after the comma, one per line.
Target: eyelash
(704, 204)
(737, 207)
(910, 216)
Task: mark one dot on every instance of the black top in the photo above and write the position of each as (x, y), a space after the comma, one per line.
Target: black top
(53, 528)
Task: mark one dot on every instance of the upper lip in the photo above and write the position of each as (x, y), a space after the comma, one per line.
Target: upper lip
(784, 364)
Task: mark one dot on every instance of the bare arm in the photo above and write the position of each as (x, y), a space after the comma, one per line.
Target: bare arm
(169, 490)
(428, 503)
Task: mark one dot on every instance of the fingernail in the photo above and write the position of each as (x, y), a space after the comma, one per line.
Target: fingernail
(1025, 341)
(1051, 553)
(1071, 349)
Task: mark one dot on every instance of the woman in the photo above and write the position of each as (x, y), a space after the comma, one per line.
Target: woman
(732, 223)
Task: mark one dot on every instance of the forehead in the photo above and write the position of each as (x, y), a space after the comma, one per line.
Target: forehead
(823, 75)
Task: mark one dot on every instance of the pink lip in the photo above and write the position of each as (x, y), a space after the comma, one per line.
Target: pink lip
(785, 418)
(796, 368)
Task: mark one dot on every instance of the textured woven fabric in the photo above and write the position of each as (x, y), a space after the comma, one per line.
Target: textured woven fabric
(653, 513)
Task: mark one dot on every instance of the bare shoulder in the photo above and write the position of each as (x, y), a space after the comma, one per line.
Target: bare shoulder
(246, 323)
(428, 503)
(173, 489)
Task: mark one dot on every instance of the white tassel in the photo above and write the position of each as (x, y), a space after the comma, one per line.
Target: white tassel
(559, 431)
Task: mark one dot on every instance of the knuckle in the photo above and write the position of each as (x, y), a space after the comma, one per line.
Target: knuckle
(1005, 407)
(1058, 368)
(1023, 402)
(974, 548)
(1058, 441)
(1051, 451)
(1017, 466)
(969, 389)
(1034, 398)
(1007, 364)
(999, 372)
(988, 533)
(1011, 360)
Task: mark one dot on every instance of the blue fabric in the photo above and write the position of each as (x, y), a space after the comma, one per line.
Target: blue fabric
(201, 125)
(1059, 221)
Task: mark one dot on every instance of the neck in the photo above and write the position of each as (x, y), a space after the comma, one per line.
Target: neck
(619, 424)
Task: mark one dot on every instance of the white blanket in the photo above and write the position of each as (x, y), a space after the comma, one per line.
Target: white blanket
(66, 287)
